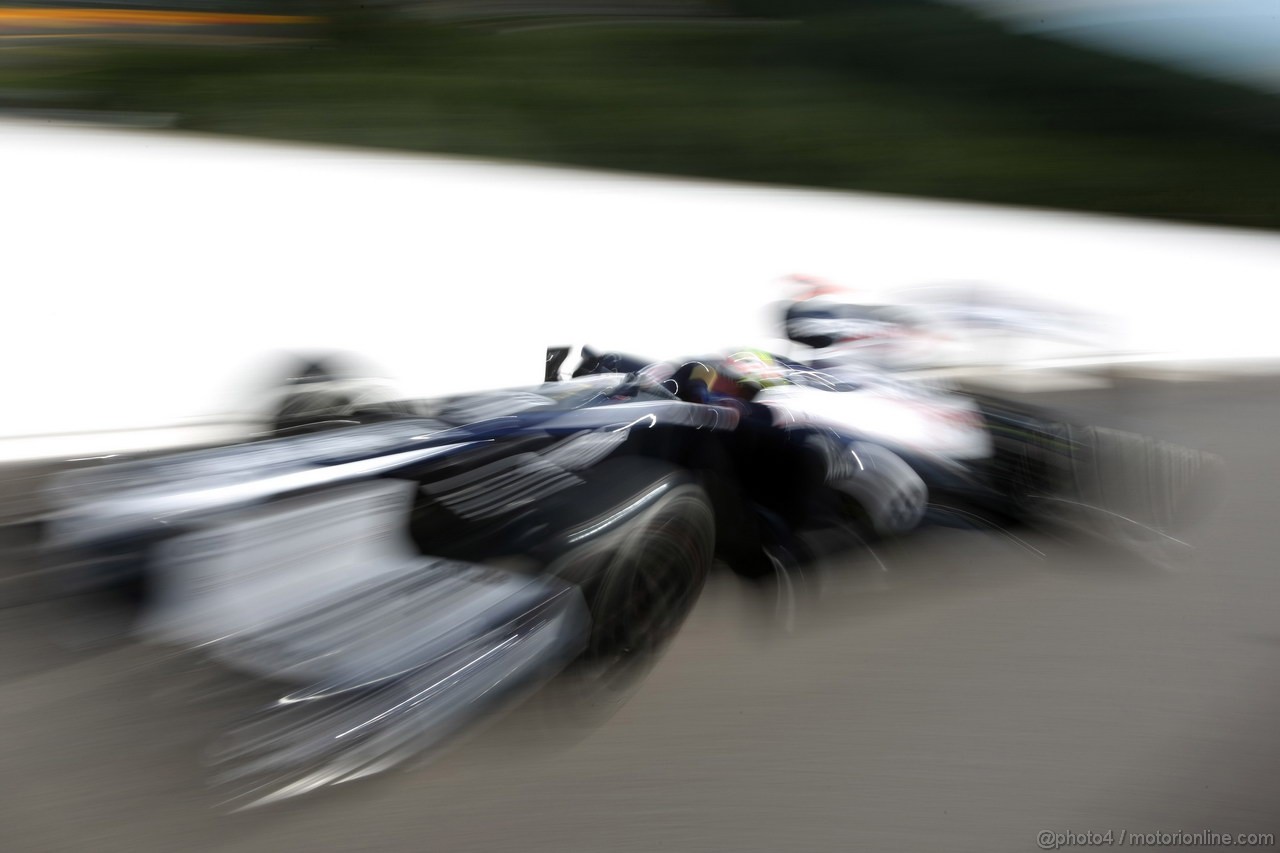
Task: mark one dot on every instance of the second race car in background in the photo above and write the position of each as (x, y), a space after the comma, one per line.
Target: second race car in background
(933, 326)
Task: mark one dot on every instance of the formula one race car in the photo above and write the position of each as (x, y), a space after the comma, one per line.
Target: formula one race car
(404, 570)
(933, 326)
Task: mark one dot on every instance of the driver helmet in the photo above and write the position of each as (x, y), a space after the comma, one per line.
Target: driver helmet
(744, 374)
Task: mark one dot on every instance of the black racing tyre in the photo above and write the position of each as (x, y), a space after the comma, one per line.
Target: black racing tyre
(1031, 459)
(640, 583)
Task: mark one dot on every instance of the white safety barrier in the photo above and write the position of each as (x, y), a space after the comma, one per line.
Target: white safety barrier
(157, 280)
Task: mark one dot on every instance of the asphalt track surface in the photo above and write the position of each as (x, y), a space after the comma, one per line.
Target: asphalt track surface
(970, 697)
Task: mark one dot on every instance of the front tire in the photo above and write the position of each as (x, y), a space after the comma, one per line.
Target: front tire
(640, 584)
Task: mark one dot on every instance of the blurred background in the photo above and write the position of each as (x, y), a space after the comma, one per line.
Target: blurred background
(189, 188)
(1154, 108)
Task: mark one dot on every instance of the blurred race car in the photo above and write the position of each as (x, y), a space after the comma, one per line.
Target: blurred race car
(405, 570)
(936, 326)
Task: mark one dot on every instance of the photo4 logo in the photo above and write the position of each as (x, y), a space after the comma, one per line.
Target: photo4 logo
(1049, 840)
